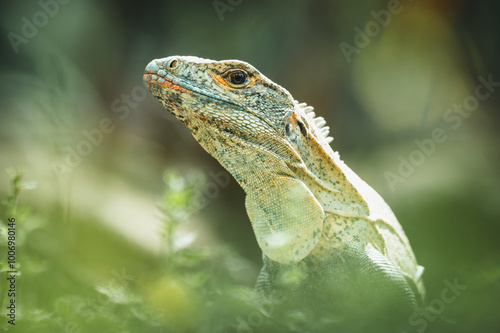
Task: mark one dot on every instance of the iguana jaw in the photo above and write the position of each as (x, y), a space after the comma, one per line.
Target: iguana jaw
(159, 78)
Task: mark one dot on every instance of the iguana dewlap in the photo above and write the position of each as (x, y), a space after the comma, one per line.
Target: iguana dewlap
(325, 234)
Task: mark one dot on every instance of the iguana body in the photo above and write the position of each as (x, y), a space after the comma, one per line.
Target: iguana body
(327, 237)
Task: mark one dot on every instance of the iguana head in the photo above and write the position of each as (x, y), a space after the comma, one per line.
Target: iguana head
(192, 87)
(272, 145)
(230, 96)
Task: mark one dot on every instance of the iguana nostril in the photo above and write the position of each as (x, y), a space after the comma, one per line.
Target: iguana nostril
(172, 63)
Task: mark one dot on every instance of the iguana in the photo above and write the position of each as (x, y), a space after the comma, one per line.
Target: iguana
(328, 239)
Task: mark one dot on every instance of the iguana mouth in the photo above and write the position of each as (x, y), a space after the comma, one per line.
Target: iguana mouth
(151, 77)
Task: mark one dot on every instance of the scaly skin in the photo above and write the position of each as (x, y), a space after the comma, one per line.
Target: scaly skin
(313, 217)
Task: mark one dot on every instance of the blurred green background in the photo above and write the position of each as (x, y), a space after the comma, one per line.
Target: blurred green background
(127, 225)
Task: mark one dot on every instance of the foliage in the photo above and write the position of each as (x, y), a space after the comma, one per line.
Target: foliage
(185, 289)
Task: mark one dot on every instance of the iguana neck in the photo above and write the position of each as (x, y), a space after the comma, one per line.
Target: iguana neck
(255, 165)
(326, 176)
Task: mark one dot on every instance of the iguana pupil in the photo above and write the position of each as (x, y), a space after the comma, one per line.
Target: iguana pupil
(237, 77)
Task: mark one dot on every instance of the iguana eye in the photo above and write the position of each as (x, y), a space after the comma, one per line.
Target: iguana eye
(238, 78)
